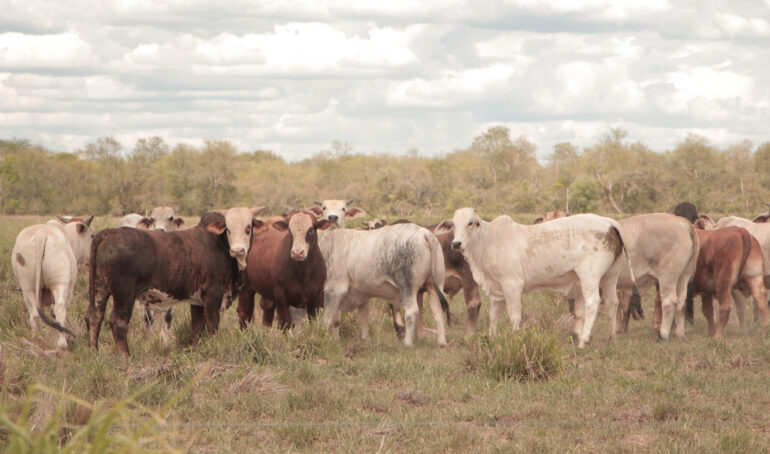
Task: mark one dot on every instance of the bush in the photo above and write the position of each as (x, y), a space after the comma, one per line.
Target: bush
(532, 354)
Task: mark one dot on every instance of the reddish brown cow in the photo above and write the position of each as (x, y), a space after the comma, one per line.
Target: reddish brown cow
(730, 260)
(286, 268)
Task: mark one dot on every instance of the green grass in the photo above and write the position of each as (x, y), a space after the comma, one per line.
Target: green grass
(304, 391)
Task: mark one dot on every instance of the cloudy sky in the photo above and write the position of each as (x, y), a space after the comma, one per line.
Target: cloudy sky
(385, 76)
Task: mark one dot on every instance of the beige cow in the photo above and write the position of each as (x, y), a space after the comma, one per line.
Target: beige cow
(664, 250)
(161, 218)
(45, 261)
(576, 256)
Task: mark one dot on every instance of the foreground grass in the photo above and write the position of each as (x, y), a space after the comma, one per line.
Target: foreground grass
(303, 391)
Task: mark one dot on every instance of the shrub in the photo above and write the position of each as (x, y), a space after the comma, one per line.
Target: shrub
(532, 354)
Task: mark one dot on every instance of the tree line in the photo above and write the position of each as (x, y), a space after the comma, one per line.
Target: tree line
(496, 174)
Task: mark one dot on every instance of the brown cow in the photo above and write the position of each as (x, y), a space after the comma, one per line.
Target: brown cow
(199, 265)
(551, 215)
(729, 261)
(286, 268)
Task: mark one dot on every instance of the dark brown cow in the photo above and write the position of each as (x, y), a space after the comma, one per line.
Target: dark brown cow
(730, 260)
(286, 268)
(199, 265)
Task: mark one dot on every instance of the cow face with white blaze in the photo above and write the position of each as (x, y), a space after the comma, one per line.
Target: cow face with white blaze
(336, 211)
(465, 222)
(239, 225)
(164, 219)
(302, 227)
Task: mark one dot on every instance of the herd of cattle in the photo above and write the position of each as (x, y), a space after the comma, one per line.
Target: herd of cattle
(309, 259)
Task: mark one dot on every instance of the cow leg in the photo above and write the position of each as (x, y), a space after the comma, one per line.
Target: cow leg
(759, 293)
(681, 304)
(578, 307)
(331, 314)
(669, 306)
(122, 307)
(166, 335)
(411, 310)
(211, 307)
(418, 323)
(438, 315)
(197, 322)
(362, 315)
(591, 300)
(707, 307)
(623, 314)
(246, 307)
(724, 294)
(61, 295)
(740, 308)
(609, 285)
(496, 308)
(31, 302)
(657, 312)
(512, 294)
(284, 314)
(94, 318)
(473, 305)
(268, 311)
(398, 320)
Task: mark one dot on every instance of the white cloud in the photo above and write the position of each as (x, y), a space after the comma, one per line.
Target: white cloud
(63, 50)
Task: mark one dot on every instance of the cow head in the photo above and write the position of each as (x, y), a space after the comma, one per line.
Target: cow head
(336, 211)
(374, 224)
(239, 224)
(79, 234)
(302, 226)
(464, 223)
(164, 219)
(704, 222)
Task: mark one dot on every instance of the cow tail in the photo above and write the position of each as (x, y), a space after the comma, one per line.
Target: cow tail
(438, 272)
(689, 303)
(41, 238)
(635, 305)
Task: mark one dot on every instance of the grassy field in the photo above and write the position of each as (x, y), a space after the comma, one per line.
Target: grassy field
(302, 391)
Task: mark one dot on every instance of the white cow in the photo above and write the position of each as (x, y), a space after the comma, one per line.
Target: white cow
(45, 261)
(576, 256)
(394, 263)
(664, 250)
(161, 218)
(760, 231)
(337, 211)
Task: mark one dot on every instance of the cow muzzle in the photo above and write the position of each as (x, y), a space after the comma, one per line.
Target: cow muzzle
(298, 254)
(334, 218)
(160, 229)
(237, 252)
(457, 245)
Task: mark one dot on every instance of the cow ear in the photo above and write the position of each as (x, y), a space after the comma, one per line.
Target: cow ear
(179, 223)
(355, 212)
(87, 221)
(316, 210)
(81, 227)
(318, 203)
(256, 210)
(217, 227)
(258, 226)
(445, 227)
(322, 224)
(281, 226)
(700, 224)
(63, 219)
(538, 221)
(145, 222)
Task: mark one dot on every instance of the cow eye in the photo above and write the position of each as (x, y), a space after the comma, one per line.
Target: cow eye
(248, 230)
(324, 208)
(470, 223)
(343, 209)
(171, 218)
